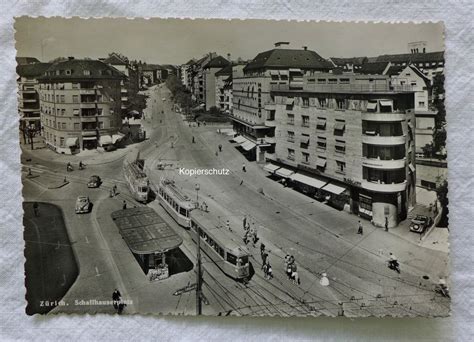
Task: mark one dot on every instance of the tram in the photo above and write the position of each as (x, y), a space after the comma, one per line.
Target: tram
(177, 204)
(220, 245)
(136, 179)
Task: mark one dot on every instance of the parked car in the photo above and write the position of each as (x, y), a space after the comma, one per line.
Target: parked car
(83, 205)
(420, 223)
(94, 182)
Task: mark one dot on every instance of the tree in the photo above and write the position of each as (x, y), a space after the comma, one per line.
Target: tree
(442, 195)
(438, 100)
(439, 140)
(428, 150)
(214, 110)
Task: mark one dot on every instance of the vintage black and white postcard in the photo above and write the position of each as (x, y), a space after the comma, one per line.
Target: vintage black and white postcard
(233, 167)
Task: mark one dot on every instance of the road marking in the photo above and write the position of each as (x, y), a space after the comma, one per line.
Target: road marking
(97, 274)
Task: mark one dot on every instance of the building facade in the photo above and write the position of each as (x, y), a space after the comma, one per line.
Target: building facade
(352, 136)
(80, 105)
(223, 79)
(253, 109)
(209, 80)
(28, 97)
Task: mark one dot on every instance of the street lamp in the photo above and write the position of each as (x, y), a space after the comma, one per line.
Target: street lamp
(197, 187)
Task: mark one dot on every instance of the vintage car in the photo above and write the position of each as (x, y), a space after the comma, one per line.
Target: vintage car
(94, 182)
(420, 223)
(83, 205)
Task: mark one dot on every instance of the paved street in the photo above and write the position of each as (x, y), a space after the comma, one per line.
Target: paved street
(322, 239)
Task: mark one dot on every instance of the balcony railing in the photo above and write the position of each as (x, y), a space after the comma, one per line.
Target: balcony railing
(397, 116)
(382, 187)
(376, 163)
(270, 123)
(383, 140)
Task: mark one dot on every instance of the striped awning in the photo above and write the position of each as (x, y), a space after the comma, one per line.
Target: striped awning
(271, 167)
(248, 145)
(315, 183)
(239, 139)
(334, 189)
(372, 106)
(282, 172)
(321, 162)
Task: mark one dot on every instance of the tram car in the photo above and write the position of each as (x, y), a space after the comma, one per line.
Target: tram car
(220, 245)
(177, 204)
(136, 179)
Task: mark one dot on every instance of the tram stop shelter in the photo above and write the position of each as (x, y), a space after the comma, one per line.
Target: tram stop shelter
(149, 237)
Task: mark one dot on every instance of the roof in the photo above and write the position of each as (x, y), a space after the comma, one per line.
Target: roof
(413, 57)
(144, 231)
(372, 68)
(152, 67)
(26, 60)
(217, 62)
(32, 70)
(115, 60)
(351, 60)
(191, 62)
(226, 71)
(288, 58)
(394, 70)
(76, 68)
(420, 74)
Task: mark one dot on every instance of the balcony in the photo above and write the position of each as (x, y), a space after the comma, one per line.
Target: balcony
(29, 109)
(28, 100)
(270, 140)
(87, 91)
(124, 99)
(368, 116)
(87, 105)
(376, 163)
(381, 187)
(270, 123)
(123, 90)
(383, 140)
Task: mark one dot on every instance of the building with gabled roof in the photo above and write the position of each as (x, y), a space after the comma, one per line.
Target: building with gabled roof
(351, 64)
(377, 68)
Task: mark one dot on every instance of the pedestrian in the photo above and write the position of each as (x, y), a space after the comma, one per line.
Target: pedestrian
(114, 190)
(296, 278)
(386, 224)
(324, 281)
(111, 194)
(262, 248)
(246, 238)
(244, 221)
(241, 182)
(264, 257)
(194, 141)
(360, 230)
(247, 226)
(29, 172)
(265, 270)
(228, 225)
(220, 147)
(124, 205)
(36, 209)
(116, 299)
(269, 271)
(199, 124)
(244, 168)
(217, 153)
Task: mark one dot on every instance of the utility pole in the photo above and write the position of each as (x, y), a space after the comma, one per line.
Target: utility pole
(198, 274)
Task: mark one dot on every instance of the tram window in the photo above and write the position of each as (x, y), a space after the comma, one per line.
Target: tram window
(245, 260)
(232, 259)
(182, 211)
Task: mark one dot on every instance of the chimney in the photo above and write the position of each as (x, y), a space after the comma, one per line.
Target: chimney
(279, 44)
(228, 57)
(305, 48)
(70, 58)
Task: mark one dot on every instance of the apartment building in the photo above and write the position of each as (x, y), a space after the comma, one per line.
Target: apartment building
(28, 97)
(209, 80)
(80, 105)
(347, 139)
(197, 75)
(253, 109)
(223, 79)
(185, 74)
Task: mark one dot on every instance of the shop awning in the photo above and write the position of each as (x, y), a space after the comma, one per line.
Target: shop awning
(412, 168)
(304, 140)
(386, 103)
(334, 189)
(117, 137)
(295, 70)
(105, 140)
(372, 106)
(89, 138)
(282, 172)
(340, 125)
(284, 72)
(271, 167)
(315, 183)
(321, 162)
(239, 139)
(273, 72)
(340, 143)
(70, 142)
(248, 145)
(290, 101)
(321, 123)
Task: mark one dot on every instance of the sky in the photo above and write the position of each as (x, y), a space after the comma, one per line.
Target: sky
(175, 41)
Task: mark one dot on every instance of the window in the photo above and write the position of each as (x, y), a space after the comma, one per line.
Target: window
(321, 142)
(86, 72)
(304, 143)
(413, 83)
(63, 112)
(101, 125)
(305, 102)
(321, 124)
(61, 142)
(291, 119)
(341, 166)
(75, 112)
(291, 154)
(365, 204)
(75, 98)
(340, 146)
(305, 158)
(321, 163)
(57, 98)
(99, 98)
(291, 136)
(332, 81)
(231, 258)
(321, 81)
(341, 103)
(339, 127)
(322, 102)
(311, 80)
(75, 86)
(63, 125)
(183, 211)
(344, 81)
(305, 120)
(421, 104)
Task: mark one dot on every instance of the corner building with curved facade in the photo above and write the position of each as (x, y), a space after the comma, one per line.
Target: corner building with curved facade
(349, 139)
(80, 105)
